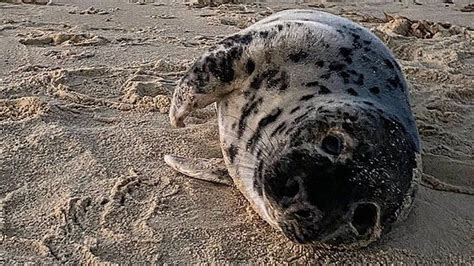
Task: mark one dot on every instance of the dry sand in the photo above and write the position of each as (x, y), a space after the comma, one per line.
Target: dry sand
(83, 129)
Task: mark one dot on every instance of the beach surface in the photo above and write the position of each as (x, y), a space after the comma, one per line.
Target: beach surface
(85, 88)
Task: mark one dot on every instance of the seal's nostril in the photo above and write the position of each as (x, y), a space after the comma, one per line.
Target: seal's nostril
(365, 217)
(332, 145)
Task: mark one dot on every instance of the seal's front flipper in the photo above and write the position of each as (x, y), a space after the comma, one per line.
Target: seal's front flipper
(211, 170)
(214, 75)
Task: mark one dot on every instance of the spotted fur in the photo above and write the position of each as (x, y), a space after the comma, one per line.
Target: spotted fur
(270, 78)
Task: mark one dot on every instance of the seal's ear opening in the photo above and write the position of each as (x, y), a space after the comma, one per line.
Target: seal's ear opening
(332, 144)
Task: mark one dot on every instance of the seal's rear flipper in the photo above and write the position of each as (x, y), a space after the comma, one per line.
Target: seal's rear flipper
(211, 170)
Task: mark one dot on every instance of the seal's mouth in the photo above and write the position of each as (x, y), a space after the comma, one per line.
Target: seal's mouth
(361, 228)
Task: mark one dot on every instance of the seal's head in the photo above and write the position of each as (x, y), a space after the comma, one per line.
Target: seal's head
(346, 175)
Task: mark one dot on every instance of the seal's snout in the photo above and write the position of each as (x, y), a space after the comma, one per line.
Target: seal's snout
(365, 218)
(358, 227)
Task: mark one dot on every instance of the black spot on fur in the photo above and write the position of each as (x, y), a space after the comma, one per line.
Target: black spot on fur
(265, 75)
(395, 81)
(246, 39)
(344, 74)
(280, 27)
(250, 66)
(263, 34)
(230, 41)
(326, 76)
(267, 120)
(247, 93)
(294, 109)
(279, 129)
(285, 80)
(247, 109)
(352, 92)
(323, 90)
(334, 66)
(368, 103)
(312, 84)
(232, 151)
(296, 57)
(257, 183)
(346, 53)
(352, 72)
(360, 80)
(220, 64)
(356, 41)
(234, 53)
(320, 63)
(307, 97)
(300, 118)
(367, 42)
(389, 63)
(280, 82)
(356, 45)
(375, 90)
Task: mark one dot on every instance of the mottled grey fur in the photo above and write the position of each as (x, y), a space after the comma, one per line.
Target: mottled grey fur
(314, 91)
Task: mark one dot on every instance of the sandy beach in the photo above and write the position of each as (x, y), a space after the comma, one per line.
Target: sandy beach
(85, 89)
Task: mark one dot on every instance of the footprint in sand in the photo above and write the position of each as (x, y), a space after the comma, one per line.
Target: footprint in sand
(422, 29)
(22, 108)
(54, 39)
(148, 93)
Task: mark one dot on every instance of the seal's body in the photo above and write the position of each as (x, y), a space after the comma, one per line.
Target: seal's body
(315, 125)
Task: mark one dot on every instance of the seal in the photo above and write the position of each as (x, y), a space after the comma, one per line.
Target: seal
(315, 126)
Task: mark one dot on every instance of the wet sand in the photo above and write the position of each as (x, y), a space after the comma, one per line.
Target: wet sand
(85, 89)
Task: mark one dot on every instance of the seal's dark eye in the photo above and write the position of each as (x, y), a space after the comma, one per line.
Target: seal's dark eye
(332, 145)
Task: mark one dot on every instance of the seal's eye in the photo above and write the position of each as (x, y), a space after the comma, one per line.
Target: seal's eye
(332, 145)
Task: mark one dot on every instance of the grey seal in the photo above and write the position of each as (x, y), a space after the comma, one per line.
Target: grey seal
(315, 126)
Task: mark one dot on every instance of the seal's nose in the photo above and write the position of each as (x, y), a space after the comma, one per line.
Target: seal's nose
(365, 217)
